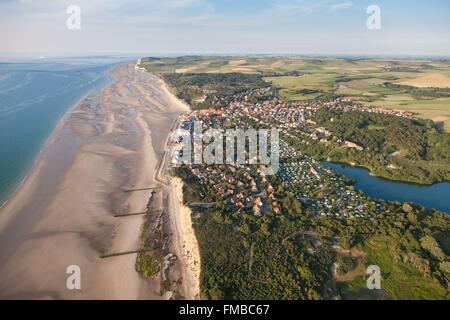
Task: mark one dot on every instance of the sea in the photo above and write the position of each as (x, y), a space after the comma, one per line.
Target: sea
(34, 96)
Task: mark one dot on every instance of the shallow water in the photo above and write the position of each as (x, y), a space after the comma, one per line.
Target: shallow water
(33, 98)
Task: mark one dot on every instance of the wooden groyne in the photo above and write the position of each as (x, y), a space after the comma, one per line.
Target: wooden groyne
(117, 254)
(140, 189)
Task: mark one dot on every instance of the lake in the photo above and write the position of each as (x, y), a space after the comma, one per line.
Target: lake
(435, 196)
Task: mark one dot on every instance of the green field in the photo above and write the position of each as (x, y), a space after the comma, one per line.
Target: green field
(401, 280)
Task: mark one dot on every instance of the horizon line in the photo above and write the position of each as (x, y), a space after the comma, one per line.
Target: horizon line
(43, 56)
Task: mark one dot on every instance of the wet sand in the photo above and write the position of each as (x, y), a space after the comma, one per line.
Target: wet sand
(64, 212)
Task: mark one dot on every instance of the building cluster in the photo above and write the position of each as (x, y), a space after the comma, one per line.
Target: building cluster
(346, 104)
(297, 119)
(244, 188)
(321, 189)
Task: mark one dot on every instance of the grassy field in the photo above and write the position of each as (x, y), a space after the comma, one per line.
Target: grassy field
(400, 279)
(305, 87)
(197, 64)
(360, 80)
(437, 80)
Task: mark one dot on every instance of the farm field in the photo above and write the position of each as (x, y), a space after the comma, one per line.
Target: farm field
(419, 86)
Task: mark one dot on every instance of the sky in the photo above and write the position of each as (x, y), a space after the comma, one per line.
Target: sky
(161, 27)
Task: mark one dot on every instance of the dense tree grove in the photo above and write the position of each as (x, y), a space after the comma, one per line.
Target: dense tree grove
(396, 148)
(202, 90)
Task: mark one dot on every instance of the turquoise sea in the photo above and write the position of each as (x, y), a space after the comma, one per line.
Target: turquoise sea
(34, 95)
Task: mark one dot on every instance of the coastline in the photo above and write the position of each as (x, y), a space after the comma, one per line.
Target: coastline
(57, 128)
(181, 215)
(63, 214)
(190, 248)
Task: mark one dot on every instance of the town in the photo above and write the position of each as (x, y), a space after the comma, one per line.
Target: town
(243, 187)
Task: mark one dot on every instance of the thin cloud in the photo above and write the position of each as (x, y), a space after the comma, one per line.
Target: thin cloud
(302, 6)
(342, 5)
(310, 6)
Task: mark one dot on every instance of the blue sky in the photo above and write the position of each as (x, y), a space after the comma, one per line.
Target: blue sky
(38, 27)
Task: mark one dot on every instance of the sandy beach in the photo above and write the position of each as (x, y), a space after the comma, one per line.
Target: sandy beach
(63, 214)
(189, 245)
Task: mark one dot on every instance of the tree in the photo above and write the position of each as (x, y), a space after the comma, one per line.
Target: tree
(265, 228)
